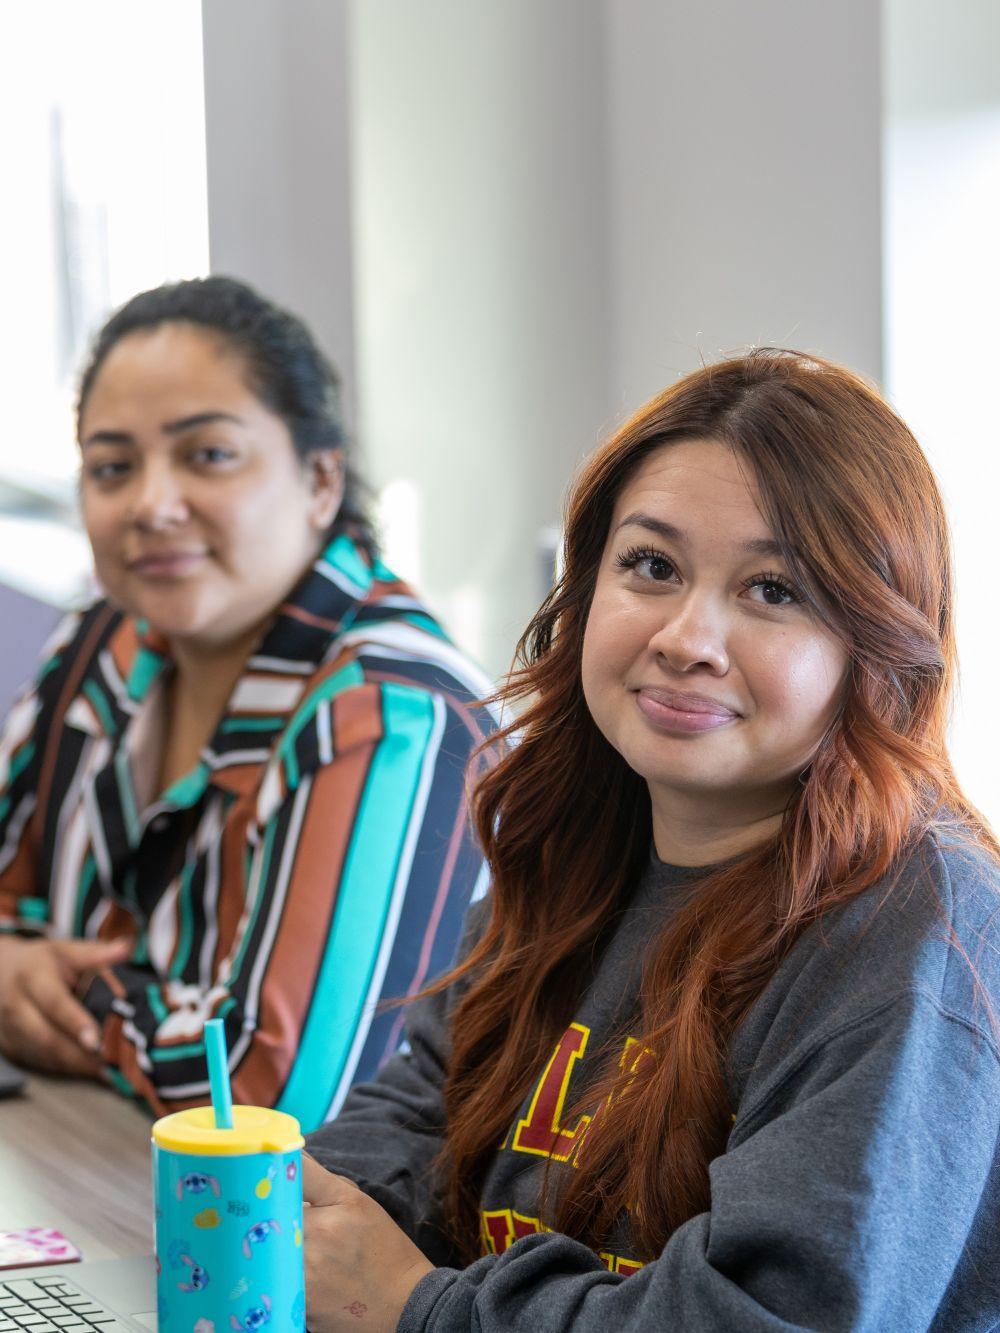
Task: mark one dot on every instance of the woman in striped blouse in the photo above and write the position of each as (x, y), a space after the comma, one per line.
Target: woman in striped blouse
(237, 786)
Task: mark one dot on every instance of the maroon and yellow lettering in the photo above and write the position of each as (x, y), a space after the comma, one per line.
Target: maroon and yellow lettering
(498, 1230)
(541, 1131)
(615, 1263)
(632, 1057)
(503, 1226)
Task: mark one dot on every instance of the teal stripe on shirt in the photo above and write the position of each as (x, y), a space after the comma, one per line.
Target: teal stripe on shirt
(362, 904)
(346, 678)
(101, 706)
(21, 760)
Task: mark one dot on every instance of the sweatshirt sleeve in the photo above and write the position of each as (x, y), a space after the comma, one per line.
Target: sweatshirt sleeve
(367, 860)
(848, 1197)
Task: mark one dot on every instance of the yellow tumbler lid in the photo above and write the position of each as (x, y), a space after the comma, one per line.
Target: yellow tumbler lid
(255, 1129)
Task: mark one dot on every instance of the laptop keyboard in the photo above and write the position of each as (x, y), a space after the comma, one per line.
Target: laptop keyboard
(51, 1305)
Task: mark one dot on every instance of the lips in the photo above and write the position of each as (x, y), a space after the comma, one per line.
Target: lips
(687, 703)
(165, 562)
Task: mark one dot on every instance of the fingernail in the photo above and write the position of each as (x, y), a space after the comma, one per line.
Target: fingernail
(90, 1039)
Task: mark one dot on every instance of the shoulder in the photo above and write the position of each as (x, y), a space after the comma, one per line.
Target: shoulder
(64, 694)
(72, 656)
(922, 926)
(396, 638)
(963, 886)
(925, 938)
(389, 645)
(387, 678)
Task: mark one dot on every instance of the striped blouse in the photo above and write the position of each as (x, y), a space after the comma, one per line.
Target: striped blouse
(316, 861)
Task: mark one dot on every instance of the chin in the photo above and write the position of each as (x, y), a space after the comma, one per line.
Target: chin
(179, 622)
(684, 771)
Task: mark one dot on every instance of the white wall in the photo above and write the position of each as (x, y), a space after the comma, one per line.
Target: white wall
(743, 182)
(277, 143)
(942, 190)
(482, 307)
(558, 207)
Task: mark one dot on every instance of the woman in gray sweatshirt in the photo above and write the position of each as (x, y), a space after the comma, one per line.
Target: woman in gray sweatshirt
(722, 1046)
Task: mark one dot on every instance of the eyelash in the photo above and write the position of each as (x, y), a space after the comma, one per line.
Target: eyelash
(113, 470)
(221, 449)
(634, 555)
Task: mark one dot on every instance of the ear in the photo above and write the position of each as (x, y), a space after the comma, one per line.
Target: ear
(326, 474)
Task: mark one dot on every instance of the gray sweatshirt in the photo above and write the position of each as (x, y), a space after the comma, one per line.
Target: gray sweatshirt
(860, 1186)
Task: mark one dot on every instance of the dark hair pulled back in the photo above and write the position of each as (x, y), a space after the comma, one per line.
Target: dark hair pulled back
(285, 368)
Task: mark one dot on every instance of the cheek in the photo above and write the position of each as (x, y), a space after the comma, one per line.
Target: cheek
(799, 676)
(617, 632)
(264, 518)
(103, 526)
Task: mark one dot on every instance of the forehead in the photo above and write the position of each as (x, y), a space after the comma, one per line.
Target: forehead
(696, 485)
(173, 363)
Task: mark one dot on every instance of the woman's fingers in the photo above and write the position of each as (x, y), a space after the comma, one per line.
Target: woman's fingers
(49, 994)
(79, 958)
(321, 1187)
(31, 1039)
(41, 1018)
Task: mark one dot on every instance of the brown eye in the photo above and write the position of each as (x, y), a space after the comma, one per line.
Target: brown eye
(213, 455)
(649, 564)
(111, 470)
(777, 589)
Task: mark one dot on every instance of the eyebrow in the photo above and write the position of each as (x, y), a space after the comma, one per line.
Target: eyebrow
(169, 428)
(758, 546)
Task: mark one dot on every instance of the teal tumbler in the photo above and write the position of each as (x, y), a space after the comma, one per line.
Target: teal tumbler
(228, 1206)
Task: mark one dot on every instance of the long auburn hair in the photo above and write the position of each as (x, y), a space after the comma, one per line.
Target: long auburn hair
(566, 824)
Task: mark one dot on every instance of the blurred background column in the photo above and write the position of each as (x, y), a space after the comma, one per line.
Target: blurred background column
(560, 207)
(481, 241)
(276, 130)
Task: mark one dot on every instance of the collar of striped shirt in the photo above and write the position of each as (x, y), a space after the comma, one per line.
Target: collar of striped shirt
(341, 591)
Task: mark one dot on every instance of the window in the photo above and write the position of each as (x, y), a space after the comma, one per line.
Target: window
(102, 146)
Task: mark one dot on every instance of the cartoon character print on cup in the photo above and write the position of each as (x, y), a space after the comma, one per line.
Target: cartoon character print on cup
(256, 1317)
(197, 1182)
(197, 1278)
(299, 1311)
(264, 1185)
(176, 1252)
(258, 1234)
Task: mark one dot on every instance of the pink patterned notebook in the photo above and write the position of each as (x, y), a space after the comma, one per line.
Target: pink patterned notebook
(36, 1245)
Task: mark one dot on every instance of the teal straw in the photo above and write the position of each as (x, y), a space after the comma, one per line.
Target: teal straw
(218, 1073)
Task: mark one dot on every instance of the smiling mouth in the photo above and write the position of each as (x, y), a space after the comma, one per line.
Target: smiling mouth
(666, 711)
(167, 564)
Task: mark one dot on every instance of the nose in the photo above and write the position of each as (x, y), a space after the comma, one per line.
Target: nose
(158, 499)
(693, 633)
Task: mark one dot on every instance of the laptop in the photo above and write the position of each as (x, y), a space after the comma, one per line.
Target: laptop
(96, 1296)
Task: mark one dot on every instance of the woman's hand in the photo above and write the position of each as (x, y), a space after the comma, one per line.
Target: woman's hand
(42, 1023)
(360, 1268)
